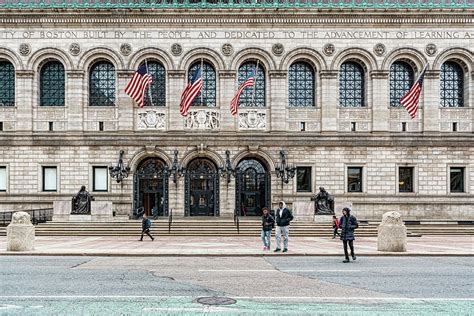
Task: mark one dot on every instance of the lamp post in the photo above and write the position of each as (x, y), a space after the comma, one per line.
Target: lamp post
(119, 172)
(176, 170)
(227, 171)
(284, 170)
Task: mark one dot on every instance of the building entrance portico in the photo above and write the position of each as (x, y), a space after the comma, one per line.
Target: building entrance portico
(252, 187)
(201, 188)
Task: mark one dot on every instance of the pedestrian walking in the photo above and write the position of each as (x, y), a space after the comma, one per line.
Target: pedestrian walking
(283, 218)
(335, 226)
(146, 224)
(348, 224)
(268, 222)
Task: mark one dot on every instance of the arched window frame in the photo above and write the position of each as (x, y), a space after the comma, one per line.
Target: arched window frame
(451, 80)
(401, 80)
(157, 89)
(108, 73)
(246, 98)
(352, 75)
(52, 83)
(7, 83)
(301, 84)
(207, 95)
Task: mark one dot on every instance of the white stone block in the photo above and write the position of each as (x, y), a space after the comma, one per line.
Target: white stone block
(303, 211)
(101, 211)
(61, 210)
(20, 233)
(392, 233)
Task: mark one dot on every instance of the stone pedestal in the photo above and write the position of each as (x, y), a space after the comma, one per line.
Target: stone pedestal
(323, 218)
(61, 211)
(20, 233)
(338, 206)
(101, 211)
(303, 211)
(392, 233)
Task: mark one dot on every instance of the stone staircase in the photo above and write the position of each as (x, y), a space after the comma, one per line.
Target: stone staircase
(225, 227)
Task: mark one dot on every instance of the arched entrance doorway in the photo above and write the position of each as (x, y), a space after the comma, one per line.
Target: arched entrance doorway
(201, 188)
(150, 188)
(252, 187)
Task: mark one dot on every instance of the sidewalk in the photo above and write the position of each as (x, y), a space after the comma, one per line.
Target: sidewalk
(236, 246)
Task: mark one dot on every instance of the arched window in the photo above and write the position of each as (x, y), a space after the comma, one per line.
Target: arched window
(7, 83)
(452, 85)
(301, 85)
(102, 84)
(207, 95)
(401, 80)
(52, 84)
(254, 96)
(157, 89)
(351, 85)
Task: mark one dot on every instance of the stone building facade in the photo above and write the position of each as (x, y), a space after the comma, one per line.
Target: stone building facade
(323, 97)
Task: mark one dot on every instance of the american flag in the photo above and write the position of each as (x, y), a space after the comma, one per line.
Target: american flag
(136, 87)
(410, 100)
(190, 93)
(234, 103)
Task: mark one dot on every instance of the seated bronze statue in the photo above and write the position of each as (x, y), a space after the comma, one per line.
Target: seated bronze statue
(81, 202)
(324, 203)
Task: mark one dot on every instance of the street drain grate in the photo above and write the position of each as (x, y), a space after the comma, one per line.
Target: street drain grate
(216, 300)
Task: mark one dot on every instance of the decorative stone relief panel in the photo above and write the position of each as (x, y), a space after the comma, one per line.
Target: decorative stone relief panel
(252, 119)
(44, 125)
(399, 115)
(151, 119)
(461, 116)
(49, 113)
(361, 116)
(202, 119)
(92, 117)
(311, 117)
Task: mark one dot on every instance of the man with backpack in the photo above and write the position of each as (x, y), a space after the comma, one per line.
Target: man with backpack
(146, 224)
(267, 225)
(348, 224)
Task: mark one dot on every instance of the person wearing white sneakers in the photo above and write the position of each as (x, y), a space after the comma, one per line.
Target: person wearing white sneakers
(267, 225)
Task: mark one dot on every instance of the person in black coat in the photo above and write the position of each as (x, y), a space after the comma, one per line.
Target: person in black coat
(348, 224)
(146, 224)
(283, 218)
(267, 225)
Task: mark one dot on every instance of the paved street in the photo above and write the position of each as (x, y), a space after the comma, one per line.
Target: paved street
(260, 285)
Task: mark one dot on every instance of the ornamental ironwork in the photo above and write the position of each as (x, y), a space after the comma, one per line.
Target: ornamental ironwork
(284, 170)
(252, 185)
(254, 96)
(207, 95)
(351, 85)
(155, 94)
(102, 84)
(7, 83)
(120, 171)
(52, 84)
(301, 85)
(452, 85)
(401, 80)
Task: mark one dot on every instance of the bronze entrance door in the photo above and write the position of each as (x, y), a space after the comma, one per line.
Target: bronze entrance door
(150, 183)
(252, 188)
(201, 188)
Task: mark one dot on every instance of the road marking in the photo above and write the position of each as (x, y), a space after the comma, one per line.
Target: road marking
(261, 270)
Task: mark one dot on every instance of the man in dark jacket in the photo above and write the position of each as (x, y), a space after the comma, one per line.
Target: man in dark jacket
(267, 225)
(283, 218)
(146, 224)
(348, 224)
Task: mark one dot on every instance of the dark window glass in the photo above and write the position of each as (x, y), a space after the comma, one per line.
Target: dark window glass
(252, 96)
(207, 95)
(52, 84)
(301, 85)
(401, 80)
(157, 90)
(7, 83)
(351, 85)
(405, 179)
(452, 85)
(456, 179)
(303, 179)
(102, 84)
(354, 179)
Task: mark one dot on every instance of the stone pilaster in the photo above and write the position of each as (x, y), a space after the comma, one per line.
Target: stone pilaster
(177, 83)
(277, 100)
(381, 102)
(125, 104)
(329, 98)
(74, 100)
(24, 100)
(430, 101)
(228, 87)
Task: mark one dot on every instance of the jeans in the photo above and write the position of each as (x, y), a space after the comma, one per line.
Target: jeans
(282, 231)
(351, 245)
(266, 236)
(146, 231)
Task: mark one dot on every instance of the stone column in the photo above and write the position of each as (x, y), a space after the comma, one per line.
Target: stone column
(227, 88)
(276, 101)
(74, 100)
(125, 105)
(20, 233)
(329, 99)
(176, 85)
(380, 101)
(24, 100)
(430, 101)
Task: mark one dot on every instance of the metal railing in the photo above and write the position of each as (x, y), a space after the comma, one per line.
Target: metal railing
(237, 220)
(237, 4)
(41, 215)
(170, 220)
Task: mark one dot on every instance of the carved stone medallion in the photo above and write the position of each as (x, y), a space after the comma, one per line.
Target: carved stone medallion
(329, 49)
(176, 49)
(74, 49)
(125, 49)
(25, 49)
(379, 49)
(430, 49)
(278, 49)
(151, 119)
(227, 49)
(252, 120)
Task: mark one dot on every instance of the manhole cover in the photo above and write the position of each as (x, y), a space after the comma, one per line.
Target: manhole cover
(216, 300)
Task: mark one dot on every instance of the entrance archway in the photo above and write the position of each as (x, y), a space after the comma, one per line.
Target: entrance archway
(150, 188)
(252, 185)
(201, 188)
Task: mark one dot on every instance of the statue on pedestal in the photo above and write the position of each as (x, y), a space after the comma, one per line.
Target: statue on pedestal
(324, 202)
(81, 202)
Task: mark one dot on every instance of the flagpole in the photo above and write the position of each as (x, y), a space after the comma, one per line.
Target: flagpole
(254, 84)
(202, 89)
(149, 90)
